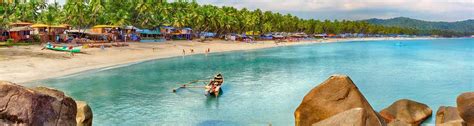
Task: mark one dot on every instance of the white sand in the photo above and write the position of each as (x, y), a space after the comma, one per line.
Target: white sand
(37, 64)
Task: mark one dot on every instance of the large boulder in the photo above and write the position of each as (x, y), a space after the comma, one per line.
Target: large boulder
(465, 103)
(352, 117)
(448, 116)
(335, 95)
(399, 123)
(84, 114)
(407, 111)
(39, 106)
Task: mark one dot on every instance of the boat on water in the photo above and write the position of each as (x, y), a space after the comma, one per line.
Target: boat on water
(63, 48)
(214, 86)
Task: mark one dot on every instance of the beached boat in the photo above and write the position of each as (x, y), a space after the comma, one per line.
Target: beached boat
(64, 48)
(214, 86)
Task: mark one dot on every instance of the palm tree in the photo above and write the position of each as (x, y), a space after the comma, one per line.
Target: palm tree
(181, 13)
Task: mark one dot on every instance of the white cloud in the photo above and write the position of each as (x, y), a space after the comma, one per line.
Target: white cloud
(445, 10)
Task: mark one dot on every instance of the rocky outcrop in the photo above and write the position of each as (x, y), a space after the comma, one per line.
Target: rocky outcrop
(38, 106)
(407, 111)
(84, 114)
(465, 105)
(399, 123)
(448, 116)
(352, 117)
(335, 95)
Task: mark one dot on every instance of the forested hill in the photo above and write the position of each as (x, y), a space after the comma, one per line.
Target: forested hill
(466, 26)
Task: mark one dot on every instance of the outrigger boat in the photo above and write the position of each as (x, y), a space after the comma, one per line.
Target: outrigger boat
(63, 48)
(214, 86)
(211, 88)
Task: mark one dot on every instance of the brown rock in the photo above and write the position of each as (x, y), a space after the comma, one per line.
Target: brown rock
(352, 117)
(335, 95)
(84, 114)
(399, 123)
(465, 103)
(408, 111)
(40, 106)
(448, 116)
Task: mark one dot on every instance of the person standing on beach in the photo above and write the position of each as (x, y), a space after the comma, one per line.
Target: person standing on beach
(184, 52)
(192, 50)
(208, 50)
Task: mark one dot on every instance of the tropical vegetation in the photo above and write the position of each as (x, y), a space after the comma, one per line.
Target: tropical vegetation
(459, 27)
(202, 18)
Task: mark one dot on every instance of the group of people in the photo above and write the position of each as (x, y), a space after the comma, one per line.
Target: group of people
(208, 50)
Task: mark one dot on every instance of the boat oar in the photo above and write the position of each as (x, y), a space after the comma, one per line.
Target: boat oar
(185, 86)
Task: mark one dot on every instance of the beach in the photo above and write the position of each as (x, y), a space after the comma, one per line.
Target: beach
(24, 64)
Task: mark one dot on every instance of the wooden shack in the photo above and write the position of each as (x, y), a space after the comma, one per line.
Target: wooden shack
(21, 33)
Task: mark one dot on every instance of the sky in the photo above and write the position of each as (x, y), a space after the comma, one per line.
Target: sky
(431, 10)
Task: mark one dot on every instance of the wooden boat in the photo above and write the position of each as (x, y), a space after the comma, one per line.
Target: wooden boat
(214, 86)
(64, 48)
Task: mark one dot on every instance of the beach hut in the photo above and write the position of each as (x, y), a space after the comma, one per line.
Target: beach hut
(20, 24)
(60, 29)
(21, 33)
(3, 35)
(320, 36)
(332, 35)
(167, 30)
(113, 33)
(132, 33)
(39, 28)
(252, 33)
(105, 28)
(266, 37)
(131, 29)
(186, 33)
(147, 35)
(58, 32)
(207, 34)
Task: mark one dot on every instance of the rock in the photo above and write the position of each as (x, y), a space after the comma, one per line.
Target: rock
(399, 123)
(465, 103)
(335, 95)
(407, 111)
(448, 116)
(352, 117)
(84, 114)
(39, 106)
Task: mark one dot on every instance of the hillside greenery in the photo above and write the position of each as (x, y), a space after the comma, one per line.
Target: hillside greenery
(459, 27)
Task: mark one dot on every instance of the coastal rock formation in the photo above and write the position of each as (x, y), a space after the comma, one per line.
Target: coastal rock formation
(352, 117)
(448, 116)
(84, 114)
(38, 106)
(335, 95)
(407, 111)
(465, 103)
(399, 123)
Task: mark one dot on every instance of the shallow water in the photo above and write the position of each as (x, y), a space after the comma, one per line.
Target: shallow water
(265, 86)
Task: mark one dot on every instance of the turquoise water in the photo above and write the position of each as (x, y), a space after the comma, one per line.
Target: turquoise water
(265, 86)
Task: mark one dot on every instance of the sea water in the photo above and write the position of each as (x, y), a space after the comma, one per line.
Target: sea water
(266, 86)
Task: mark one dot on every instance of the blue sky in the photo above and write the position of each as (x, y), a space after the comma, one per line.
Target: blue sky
(432, 10)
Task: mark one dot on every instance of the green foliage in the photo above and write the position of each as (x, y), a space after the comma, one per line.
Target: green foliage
(440, 28)
(9, 41)
(184, 13)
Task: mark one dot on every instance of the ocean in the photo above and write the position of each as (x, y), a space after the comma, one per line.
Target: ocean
(266, 86)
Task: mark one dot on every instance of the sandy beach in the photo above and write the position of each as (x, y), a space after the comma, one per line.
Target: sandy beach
(24, 64)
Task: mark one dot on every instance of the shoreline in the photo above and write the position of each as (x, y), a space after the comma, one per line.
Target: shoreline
(27, 69)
